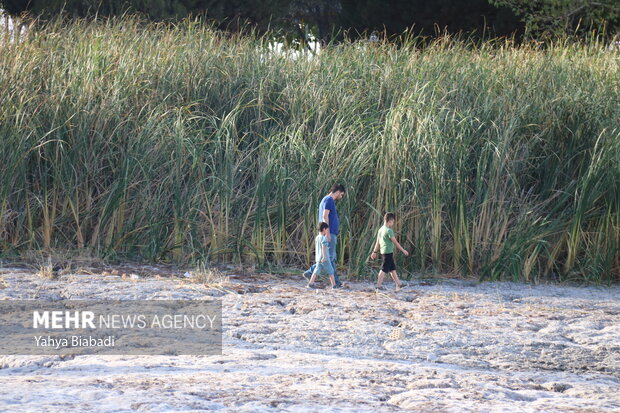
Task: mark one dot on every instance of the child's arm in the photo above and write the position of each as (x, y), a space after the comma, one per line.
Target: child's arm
(404, 251)
(324, 252)
(375, 249)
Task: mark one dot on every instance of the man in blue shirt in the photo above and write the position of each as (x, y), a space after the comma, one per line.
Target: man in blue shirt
(329, 214)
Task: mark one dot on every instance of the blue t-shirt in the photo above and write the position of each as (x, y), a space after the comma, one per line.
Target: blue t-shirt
(319, 241)
(328, 203)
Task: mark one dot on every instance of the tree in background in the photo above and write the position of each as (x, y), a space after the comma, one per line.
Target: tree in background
(328, 20)
(230, 15)
(428, 17)
(293, 19)
(154, 9)
(321, 15)
(559, 17)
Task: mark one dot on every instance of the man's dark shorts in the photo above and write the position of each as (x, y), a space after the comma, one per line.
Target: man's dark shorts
(388, 263)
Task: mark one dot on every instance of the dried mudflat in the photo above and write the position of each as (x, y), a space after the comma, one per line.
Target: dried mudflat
(443, 346)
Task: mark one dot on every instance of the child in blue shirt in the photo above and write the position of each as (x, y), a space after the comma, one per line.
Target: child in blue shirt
(323, 262)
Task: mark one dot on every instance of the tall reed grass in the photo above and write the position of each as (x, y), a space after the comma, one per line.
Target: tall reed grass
(179, 143)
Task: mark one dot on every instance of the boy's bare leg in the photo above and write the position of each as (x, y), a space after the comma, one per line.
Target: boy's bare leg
(380, 279)
(396, 280)
(332, 280)
(313, 278)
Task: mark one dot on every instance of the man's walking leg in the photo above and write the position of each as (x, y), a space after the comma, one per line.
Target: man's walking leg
(332, 257)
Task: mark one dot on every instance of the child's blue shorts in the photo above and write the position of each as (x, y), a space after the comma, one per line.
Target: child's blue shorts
(324, 268)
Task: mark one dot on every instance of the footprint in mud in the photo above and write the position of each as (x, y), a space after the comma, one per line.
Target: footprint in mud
(533, 327)
(247, 289)
(553, 327)
(433, 384)
(557, 387)
(513, 395)
(261, 356)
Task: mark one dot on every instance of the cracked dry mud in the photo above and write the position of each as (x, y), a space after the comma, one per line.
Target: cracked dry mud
(462, 346)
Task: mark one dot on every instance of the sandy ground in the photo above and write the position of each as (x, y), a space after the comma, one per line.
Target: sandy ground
(441, 346)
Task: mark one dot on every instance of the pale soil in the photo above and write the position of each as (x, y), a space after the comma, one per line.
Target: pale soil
(463, 347)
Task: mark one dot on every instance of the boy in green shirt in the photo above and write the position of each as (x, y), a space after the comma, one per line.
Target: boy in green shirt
(386, 241)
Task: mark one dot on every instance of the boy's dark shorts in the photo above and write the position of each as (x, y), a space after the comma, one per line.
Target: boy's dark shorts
(388, 263)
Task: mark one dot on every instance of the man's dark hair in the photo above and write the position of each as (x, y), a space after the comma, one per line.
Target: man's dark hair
(322, 226)
(390, 216)
(336, 188)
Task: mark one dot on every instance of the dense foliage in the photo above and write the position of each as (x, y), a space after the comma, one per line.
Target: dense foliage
(180, 143)
(332, 20)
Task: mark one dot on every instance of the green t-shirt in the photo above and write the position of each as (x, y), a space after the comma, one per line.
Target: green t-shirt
(387, 246)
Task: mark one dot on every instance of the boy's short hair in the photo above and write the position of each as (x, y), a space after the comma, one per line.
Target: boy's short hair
(322, 226)
(336, 188)
(390, 216)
